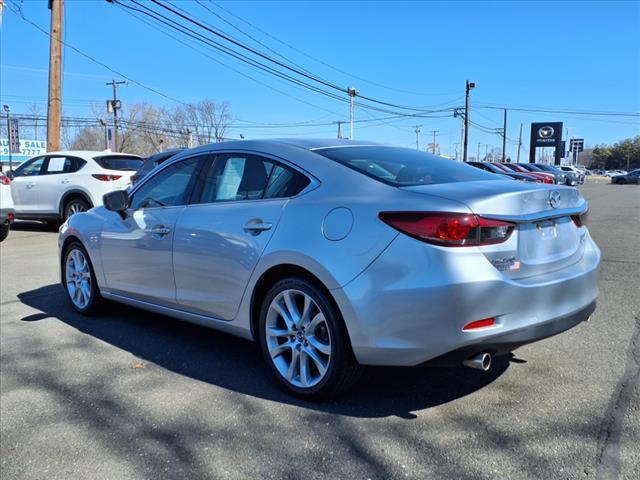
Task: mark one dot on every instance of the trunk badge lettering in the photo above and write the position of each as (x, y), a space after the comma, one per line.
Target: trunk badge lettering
(503, 264)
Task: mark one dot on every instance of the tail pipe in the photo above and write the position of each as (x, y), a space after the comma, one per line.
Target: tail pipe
(482, 361)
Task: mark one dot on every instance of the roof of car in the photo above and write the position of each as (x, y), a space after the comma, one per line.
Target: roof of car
(91, 153)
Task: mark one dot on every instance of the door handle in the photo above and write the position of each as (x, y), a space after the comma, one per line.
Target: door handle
(160, 231)
(257, 227)
(31, 185)
(66, 180)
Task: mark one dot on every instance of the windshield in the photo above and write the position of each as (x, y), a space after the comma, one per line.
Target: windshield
(403, 166)
(119, 162)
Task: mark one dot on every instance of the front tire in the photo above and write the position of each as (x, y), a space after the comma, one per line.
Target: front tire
(304, 341)
(80, 280)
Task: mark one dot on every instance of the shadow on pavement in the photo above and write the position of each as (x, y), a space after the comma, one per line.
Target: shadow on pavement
(33, 226)
(236, 364)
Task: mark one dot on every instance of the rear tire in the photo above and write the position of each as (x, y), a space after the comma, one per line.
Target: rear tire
(4, 231)
(79, 280)
(304, 341)
(73, 206)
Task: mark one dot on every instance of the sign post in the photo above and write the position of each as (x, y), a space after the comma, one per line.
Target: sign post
(14, 138)
(576, 146)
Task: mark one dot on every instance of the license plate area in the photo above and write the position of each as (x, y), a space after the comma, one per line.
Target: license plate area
(547, 240)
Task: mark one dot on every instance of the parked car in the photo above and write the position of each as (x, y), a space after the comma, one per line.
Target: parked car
(490, 167)
(631, 177)
(572, 178)
(152, 162)
(7, 213)
(543, 176)
(578, 174)
(54, 186)
(559, 175)
(331, 263)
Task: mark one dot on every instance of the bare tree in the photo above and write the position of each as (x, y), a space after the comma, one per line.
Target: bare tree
(206, 120)
(88, 138)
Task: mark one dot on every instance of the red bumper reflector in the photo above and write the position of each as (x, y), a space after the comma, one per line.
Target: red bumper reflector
(485, 322)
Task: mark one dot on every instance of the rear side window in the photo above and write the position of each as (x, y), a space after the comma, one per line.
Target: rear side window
(402, 166)
(237, 177)
(119, 162)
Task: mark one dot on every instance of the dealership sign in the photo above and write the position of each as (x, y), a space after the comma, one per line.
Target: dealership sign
(546, 135)
(23, 150)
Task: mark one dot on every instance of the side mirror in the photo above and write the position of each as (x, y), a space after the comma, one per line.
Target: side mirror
(116, 201)
(10, 174)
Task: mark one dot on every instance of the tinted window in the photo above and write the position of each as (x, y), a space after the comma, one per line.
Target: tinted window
(169, 187)
(119, 162)
(55, 165)
(30, 167)
(403, 166)
(248, 177)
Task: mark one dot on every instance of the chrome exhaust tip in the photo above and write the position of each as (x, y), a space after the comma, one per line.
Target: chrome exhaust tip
(482, 361)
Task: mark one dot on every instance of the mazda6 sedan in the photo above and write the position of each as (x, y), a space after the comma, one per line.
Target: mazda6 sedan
(333, 255)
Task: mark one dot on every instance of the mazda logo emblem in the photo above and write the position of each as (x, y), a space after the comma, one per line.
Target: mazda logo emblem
(546, 132)
(554, 199)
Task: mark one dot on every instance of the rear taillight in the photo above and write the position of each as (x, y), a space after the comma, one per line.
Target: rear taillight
(581, 219)
(4, 180)
(548, 180)
(106, 178)
(449, 229)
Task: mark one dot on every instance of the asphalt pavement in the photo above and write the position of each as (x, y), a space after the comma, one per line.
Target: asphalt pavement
(133, 395)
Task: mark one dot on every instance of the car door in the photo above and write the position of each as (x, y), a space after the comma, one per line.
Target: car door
(54, 180)
(220, 238)
(24, 191)
(137, 250)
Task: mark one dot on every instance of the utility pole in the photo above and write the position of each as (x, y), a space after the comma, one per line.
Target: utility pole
(54, 103)
(113, 106)
(7, 110)
(106, 133)
(519, 144)
(417, 129)
(478, 158)
(352, 94)
(470, 85)
(339, 122)
(433, 145)
(486, 151)
(504, 138)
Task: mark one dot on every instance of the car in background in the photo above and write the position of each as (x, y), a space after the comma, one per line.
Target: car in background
(152, 162)
(54, 186)
(7, 213)
(490, 167)
(545, 177)
(578, 174)
(299, 245)
(631, 177)
(559, 175)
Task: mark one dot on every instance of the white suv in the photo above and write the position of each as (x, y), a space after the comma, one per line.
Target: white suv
(54, 186)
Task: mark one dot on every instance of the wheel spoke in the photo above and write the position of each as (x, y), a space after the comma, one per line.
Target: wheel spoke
(280, 310)
(290, 302)
(294, 366)
(278, 332)
(315, 323)
(280, 349)
(306, 310)
(319, 345)
(304, 368)
(320, 364)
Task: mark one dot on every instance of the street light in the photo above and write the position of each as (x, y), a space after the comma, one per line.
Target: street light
(470, 85)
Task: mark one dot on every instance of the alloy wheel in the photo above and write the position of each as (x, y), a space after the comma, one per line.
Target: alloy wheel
(78, 278)
(298, 338)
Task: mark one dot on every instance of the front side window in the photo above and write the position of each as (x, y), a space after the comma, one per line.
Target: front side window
(236, 177)
(168, 188)
(30, 168)
(402, 166)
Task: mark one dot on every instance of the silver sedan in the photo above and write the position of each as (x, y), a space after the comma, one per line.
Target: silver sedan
(333, 255)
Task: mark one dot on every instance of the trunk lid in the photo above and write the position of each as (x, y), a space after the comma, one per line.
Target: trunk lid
(545, 238)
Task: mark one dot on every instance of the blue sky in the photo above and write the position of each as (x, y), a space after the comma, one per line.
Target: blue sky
(581, 56)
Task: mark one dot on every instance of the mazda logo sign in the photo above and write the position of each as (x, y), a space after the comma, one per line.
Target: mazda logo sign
(546, 132)
(554, 199)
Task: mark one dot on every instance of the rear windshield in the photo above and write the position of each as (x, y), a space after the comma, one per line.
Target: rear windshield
(403, 166)
(119, 162)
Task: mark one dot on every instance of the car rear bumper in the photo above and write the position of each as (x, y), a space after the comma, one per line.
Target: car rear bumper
(410, 305)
